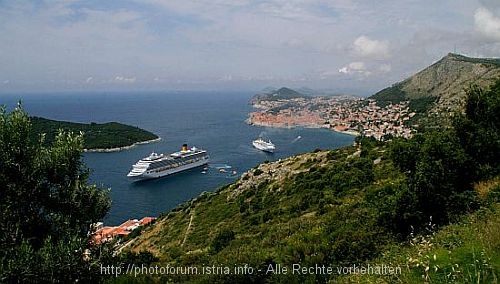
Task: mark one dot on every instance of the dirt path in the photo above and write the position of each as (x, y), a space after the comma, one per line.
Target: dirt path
(188, 227)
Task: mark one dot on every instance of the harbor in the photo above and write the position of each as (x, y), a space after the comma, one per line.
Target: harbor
(213, 122)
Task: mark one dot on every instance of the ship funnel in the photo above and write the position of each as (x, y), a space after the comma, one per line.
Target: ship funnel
(184, 147)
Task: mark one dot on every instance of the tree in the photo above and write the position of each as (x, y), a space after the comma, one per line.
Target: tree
(441, 167)
(479, 129)
(46, 205)
(439, 175)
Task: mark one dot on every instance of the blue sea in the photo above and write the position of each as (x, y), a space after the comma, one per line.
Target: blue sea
(213, 121)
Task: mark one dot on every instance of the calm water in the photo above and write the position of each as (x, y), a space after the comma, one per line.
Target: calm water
(213, 121)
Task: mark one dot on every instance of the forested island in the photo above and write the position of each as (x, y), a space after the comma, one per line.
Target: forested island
(97, 137)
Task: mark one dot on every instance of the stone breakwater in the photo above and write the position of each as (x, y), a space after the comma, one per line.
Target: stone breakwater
(117, 149)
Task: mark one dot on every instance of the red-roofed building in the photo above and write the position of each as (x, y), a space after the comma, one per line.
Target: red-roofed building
(105, 234)
(147, 220)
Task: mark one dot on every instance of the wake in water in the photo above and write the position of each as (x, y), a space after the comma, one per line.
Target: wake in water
(225, 169)
(296, 139)
(221, 166)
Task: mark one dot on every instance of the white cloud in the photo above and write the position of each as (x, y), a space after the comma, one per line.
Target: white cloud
(364, 70)
(354, 68)
(344, 70)
(122, 79)
(487, 23)
(371, 48)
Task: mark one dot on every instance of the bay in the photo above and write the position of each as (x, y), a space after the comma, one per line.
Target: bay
(214, 121)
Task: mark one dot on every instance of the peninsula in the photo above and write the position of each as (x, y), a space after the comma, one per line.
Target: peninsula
(345, 114)
(98, 137)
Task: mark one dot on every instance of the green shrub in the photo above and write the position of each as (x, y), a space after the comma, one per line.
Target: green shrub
(257, 172)
(222, 239)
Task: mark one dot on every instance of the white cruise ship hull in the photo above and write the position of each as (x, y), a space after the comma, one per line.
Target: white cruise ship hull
(263, 148)
(158, 174)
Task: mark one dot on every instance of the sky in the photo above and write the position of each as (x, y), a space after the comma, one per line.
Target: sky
(346, 46)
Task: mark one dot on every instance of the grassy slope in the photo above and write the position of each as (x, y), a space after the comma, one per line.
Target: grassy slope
(96, 136)
(278, 215)
(466, 252)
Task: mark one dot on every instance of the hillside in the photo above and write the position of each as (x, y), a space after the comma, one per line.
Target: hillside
(279, 212)
(280, 94)
(96, 135)
(325, 208)
(425, 208)
(441, 86)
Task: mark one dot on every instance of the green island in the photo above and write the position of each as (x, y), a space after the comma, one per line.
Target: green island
(424, 209)
(96, 136)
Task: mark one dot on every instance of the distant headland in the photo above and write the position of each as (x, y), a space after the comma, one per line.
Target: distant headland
(286, 108)
(98, 137)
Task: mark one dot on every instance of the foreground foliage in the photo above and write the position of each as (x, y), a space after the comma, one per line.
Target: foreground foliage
(46, 206)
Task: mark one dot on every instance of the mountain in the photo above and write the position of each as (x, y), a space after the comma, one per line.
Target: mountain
(280, 94)
(441, 86)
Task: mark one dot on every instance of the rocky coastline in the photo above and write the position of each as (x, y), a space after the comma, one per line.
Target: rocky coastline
(118, 149)
(290, 126)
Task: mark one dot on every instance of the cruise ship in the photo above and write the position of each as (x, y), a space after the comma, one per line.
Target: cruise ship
(159, 165)
(266, 146)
